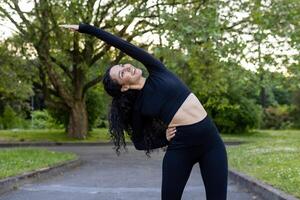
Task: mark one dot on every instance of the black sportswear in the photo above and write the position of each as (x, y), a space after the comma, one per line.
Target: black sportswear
(162, 94)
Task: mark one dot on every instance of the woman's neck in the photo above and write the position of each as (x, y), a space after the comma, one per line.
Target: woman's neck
(139, 85)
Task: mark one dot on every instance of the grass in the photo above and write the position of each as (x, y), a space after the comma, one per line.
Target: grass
(53, 135)
(16, 161)
(50, 136)
(271, 156)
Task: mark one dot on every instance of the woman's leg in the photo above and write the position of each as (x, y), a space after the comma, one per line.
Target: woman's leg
(214, 170)
(176, 169)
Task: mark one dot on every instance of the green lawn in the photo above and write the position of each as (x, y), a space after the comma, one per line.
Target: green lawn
(271, 156)
(50, 136)
(15, 161)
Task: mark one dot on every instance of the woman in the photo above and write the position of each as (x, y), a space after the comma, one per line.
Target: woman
(151, 111)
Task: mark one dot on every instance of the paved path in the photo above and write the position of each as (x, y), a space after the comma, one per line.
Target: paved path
(105, 176)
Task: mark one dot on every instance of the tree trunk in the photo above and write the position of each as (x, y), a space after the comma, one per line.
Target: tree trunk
(263, 97)
(78, 121)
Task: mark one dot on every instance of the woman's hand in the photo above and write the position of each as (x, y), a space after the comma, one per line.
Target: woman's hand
(72, 27)
(170, 133)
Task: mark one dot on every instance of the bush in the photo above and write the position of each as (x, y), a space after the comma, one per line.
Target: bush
(43, 120)
(94, 106)
(101, 123)
(295, 113)
(239, 117)
(9, 119)
(278, 117)
(61, 116)
(25, 124)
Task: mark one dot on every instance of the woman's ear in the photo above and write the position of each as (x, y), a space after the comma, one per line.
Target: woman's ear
(125, 88)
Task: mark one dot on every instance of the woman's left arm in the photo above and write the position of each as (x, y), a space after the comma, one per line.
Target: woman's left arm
(151, 63)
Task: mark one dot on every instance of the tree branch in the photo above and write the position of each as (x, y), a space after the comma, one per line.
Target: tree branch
(99, 55)
(58, 85)
(62, 66)
(244, 20)
(20, 13)
(91, 84)
(44, 87)
(12, 21)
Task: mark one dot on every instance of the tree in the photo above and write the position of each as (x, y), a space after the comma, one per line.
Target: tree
(68, 63)
(201, 41)
(15, 81)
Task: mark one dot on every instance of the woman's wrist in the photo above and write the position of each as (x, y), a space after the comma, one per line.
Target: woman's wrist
(83, 27)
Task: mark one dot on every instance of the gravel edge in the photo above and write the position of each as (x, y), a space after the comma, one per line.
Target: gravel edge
(255, 186)
(11, 183)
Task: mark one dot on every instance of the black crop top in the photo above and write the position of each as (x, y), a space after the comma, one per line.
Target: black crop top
(162, 94)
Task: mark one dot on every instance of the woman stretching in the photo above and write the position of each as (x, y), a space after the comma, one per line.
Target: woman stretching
(150, 110)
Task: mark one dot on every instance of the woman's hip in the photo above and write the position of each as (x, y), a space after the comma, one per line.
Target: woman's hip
(203, 133)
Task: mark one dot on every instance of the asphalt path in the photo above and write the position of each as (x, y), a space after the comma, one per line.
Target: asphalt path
(106, 176)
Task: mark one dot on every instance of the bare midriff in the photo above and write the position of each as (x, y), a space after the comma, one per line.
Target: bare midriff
(190, 112)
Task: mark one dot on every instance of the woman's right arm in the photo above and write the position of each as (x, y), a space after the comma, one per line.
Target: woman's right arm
(139, 143)
(151, 63)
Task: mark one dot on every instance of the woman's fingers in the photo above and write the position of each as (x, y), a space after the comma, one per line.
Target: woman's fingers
(73, 27)
(170, 137)
(171, 130)
(170, 133)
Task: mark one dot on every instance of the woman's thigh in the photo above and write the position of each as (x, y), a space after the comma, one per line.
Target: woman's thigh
(214, 171)
(176, 169)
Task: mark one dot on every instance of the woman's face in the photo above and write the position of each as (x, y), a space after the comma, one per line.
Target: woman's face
(125, 74)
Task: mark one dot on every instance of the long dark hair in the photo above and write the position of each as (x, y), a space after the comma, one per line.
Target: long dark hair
(120, 112)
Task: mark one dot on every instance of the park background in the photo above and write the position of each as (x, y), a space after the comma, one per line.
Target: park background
(240, 58)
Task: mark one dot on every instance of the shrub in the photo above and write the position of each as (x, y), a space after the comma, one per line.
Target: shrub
(43, 120)
(295, 113)
(239, 117)
(94, 106)
(9, 118)
(277, 117)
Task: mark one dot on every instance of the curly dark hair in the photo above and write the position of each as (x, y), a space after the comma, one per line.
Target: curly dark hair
(120, 113)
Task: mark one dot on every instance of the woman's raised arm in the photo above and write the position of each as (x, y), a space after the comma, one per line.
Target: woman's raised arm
(151, 63)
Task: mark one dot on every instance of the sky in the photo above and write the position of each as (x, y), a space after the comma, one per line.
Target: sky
(7, 28)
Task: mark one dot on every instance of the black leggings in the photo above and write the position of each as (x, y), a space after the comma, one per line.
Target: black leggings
(196, 143)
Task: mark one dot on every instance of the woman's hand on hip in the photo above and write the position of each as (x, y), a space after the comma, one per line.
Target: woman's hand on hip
(170, 133)
(72, 27)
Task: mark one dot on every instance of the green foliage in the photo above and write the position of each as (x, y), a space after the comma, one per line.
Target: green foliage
(15, 82)
(278, 117)
(96, 107)
(43, 120)
(9, 118)
(238, 117)
(16, 74)
(282, 95)
(24, 123)
(227, 91)
(296, 111)
(204, 47)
